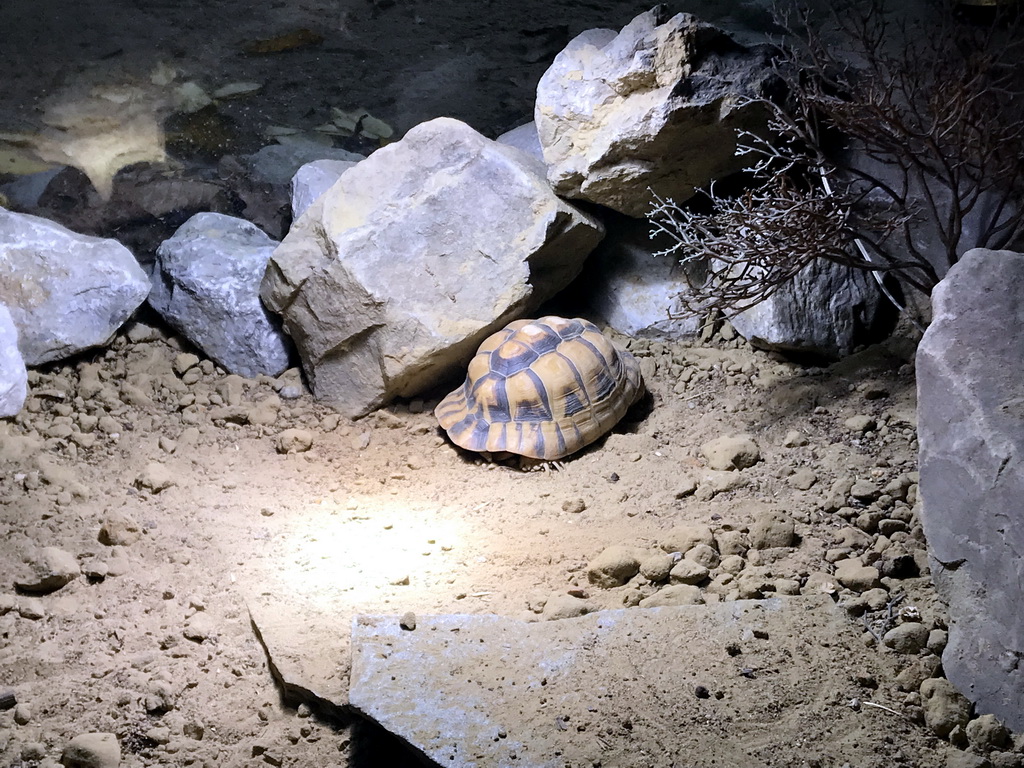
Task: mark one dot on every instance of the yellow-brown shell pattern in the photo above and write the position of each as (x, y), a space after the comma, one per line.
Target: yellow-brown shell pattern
(541, 388)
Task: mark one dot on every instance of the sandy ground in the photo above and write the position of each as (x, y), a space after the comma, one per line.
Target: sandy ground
(154, 642)
(163, 477)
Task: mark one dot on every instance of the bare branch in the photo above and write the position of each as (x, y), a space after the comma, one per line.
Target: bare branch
(907, 127)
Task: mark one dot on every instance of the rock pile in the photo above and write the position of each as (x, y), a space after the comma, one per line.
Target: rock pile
(384, 300)
(658, 106)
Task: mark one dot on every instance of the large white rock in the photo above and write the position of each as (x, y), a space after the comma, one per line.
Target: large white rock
(825, 310)
(13, 374)
(66, 292)
(971, 433)
(392, 277)
(653, 107)
(206, 284)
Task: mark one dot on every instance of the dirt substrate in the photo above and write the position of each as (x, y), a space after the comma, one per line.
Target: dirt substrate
(186, 495)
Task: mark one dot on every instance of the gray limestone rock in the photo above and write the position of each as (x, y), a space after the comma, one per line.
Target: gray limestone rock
(312, 180)
(653, 107)
(394, 276)
(525, 138)
(971, 432)
(13, 374)
(825, 310)
(303, 647)
(633, 290)
(206, 285)
(485, 690)
(66, 292)
(278, 163)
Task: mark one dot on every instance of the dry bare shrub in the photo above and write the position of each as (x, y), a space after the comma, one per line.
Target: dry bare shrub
(895, 152)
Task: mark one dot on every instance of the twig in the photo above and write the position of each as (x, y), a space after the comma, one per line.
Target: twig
(880, 706)
(703, 393)
(935, 109)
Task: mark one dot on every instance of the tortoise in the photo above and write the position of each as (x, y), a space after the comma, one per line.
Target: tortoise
(542, 389)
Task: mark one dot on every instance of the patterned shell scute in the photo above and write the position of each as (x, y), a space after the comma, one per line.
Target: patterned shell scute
(542, 389)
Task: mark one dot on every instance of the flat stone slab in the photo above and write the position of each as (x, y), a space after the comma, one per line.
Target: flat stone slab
(306, 651)
(631, 687)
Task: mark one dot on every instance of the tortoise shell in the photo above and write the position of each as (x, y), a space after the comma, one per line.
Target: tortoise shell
(542, 389)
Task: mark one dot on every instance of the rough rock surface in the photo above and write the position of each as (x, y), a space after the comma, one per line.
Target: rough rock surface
(971, 431)
(398, 271)
(278, 163)
(287, 636)
(486, 690)
(13, 374)
(92, 750)
(49, 569)
(525, 138)
(826, 310)
(206, 285)
(945, 708)
(634, 291)
(653, 107)
(66, 292)
(730, 452)
(313, 179)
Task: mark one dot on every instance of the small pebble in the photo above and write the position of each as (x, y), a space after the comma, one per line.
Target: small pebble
(574, 506)
(860, 423)
(294, 441)
(408, 621)
(92, 750)
(31, 608)
(803, 479)
(22, 714)
(909, 637)
(184, 363)
(290, 392)
(794, 439)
